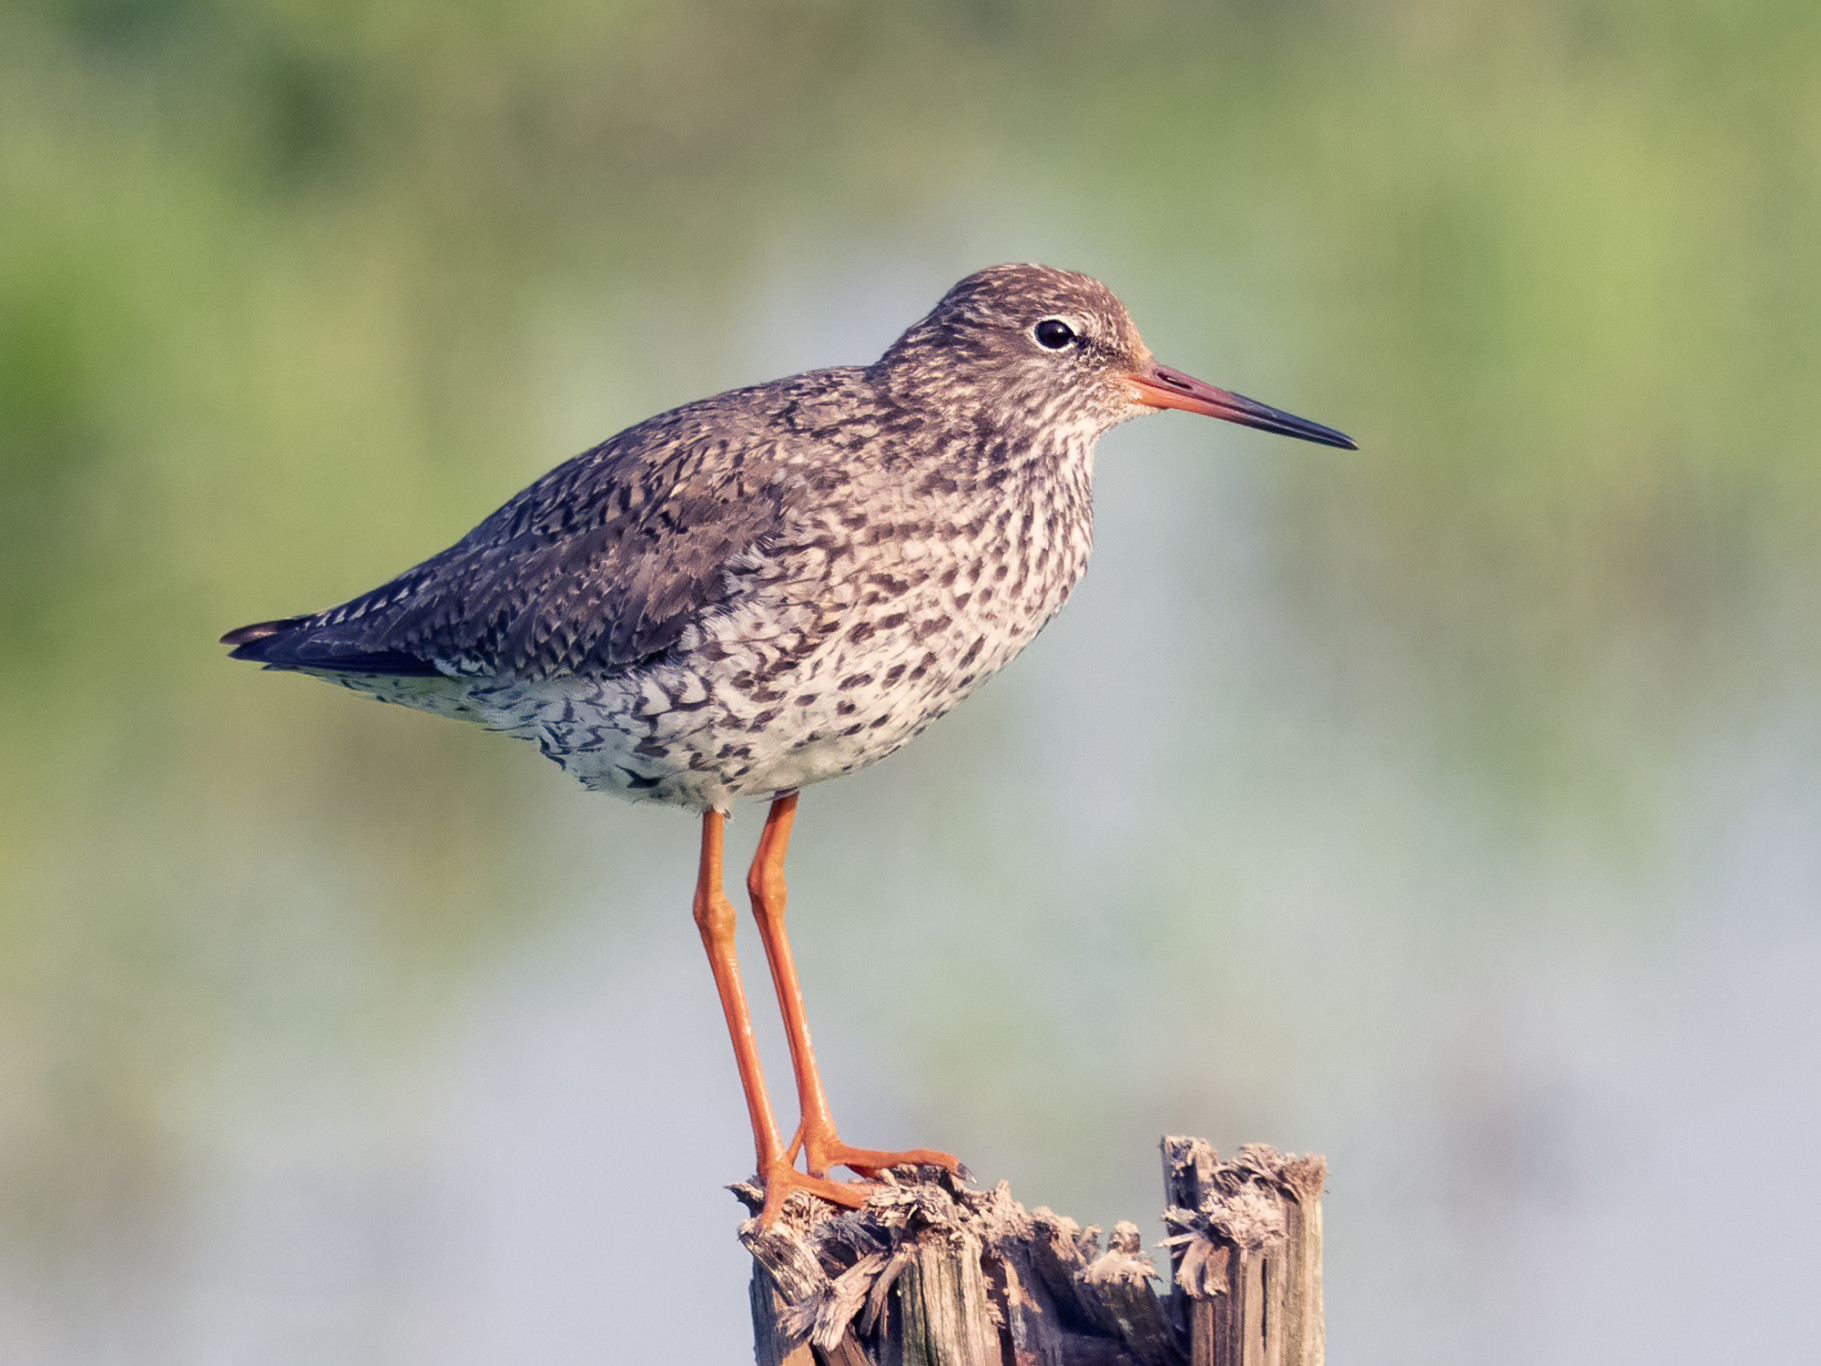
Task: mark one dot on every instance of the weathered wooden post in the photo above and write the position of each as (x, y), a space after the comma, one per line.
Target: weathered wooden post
(931, 1273)
(1245, 1248)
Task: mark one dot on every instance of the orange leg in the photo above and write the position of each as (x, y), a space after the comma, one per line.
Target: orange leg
(714, 916)
(822, 1147)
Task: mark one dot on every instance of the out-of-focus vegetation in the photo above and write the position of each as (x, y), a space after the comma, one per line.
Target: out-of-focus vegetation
(292, 293)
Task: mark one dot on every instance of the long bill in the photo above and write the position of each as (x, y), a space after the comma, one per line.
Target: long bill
(1162, 387)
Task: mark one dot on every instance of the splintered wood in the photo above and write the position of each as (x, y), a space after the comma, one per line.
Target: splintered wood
(932, 1273)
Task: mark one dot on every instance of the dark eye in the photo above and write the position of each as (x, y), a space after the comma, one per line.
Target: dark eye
(1053, 333)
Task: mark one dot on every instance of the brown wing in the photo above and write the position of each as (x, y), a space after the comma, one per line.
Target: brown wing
(599, 565)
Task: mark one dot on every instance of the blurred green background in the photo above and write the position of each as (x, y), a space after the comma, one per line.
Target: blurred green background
(1453, 808)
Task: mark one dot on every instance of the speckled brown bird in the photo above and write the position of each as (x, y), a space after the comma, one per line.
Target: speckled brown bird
(774, 586)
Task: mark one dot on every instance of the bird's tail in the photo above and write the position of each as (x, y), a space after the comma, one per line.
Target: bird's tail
(308, 643)
(252, 642)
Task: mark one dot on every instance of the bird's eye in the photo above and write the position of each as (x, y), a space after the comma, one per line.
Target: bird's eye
(1053, 333)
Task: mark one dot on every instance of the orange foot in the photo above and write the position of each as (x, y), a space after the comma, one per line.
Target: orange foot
(870, 1161)
(825, 1152)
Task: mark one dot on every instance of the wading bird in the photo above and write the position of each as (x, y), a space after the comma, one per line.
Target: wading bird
(775, 586)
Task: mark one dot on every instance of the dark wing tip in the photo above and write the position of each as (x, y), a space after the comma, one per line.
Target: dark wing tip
(296, 643)
(255, 642)
(260, 630)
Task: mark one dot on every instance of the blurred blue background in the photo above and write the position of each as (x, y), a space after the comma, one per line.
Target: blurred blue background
(1452, 808)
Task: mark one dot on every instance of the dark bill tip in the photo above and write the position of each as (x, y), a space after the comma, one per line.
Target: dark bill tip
(1167, 388)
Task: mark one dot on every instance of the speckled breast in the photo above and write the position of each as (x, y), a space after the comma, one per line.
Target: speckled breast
(838, 646)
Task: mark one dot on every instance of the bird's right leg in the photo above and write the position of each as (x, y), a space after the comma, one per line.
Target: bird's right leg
(822, 1146)
(714, 916)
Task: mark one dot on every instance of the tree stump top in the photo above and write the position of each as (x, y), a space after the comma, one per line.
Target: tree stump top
(933, 1271)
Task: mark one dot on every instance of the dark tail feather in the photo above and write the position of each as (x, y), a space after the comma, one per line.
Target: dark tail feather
(293, 643)
(260, 630)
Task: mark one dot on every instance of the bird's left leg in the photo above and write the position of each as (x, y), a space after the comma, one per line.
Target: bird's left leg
(822, 1146)
(715, 919)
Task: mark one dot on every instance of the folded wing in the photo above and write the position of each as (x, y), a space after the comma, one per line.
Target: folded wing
(601, 564)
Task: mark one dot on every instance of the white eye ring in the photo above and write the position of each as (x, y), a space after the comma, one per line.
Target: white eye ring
(1053, 334)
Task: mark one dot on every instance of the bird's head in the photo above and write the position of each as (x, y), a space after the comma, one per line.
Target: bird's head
(1053, 349)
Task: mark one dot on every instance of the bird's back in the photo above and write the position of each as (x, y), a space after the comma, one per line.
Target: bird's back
(598, 566)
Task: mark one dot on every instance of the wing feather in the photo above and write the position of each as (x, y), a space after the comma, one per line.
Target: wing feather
(601, 564)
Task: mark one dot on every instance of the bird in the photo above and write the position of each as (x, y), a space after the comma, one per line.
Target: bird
(776, 586)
